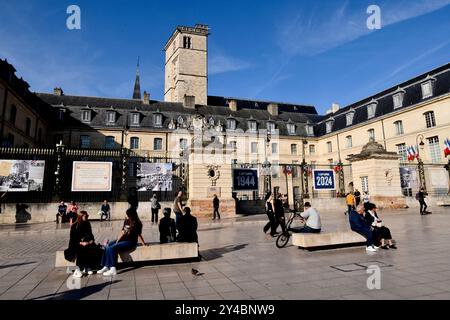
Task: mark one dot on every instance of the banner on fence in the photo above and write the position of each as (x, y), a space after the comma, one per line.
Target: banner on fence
(409, 178)
(91, 176)
(324, 179)
(21, 175)
(154, 176)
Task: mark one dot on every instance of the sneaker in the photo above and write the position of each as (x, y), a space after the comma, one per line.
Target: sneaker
(371, 249)
(110, 272)
(393, 246)
(103, 270)
(77, 273)
(88, 271)
(385, 247)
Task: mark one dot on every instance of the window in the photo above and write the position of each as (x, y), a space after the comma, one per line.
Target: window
(349, 142)
(398, 127)
(252, 125)
(274, 147)
(291, 128)
(295, 169)
(13, 114)
(270, 126)
(349, 118)
(111, 117)
(427, 89)
(309, 130)
(231, 124)
(86, 115)
(233, 145)
(435, 152)
(254, 147)
(186, 42)
(312, 149)
(398, 99)
(371, 133)
(157, 144)
(28, 126)
(365, 184)
(429, 119)
(329, 147)
(371, 108)
(401, 150)
(157, 120)
(275, 170)
(293, 149)
(60, 114)
(329, 126)
(85, 141)
(109, 142)
(183, 144)
(134, 143)
(135, 118)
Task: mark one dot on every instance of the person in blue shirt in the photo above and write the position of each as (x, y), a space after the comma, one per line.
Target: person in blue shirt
(359, 225)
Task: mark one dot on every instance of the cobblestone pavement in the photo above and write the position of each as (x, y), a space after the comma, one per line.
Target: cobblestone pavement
(240, 262)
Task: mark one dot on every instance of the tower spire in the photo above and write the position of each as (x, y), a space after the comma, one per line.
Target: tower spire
(137, 84)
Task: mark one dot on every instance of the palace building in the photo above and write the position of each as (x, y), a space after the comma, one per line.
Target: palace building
(293, 139)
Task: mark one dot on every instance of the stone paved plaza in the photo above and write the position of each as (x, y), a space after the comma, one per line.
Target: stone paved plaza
(240, 262)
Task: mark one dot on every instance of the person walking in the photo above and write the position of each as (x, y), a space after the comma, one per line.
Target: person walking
(366, 200)
(127, 240)
(155, 206)
(269, 207)
(178, 208)
(357, 197)
(280, 219)
(216, 207)
(350, 200)
(421, 198)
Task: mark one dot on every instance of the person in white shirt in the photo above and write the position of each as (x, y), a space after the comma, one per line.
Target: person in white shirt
(312, 217)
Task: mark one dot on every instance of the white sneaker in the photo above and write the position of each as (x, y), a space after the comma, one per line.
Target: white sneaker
(110, 272)
(88, 271)
(103, 270)
(371, 249)
(77, 273)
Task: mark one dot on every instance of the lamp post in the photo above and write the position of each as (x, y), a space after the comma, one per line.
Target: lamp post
(420, 145)
(266, 165)
(447, 167)
(305, 192)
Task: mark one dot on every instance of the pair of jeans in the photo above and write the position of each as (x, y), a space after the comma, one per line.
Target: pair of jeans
(216, 210)
(307, 229)
(178, 216)
(366, 232)
(423, 206)
(155, 215)
(272, 224)
(109, 258)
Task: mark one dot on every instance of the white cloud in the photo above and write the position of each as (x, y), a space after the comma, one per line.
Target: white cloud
(221, 64)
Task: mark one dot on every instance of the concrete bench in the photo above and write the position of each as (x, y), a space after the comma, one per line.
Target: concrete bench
(325, 240)
(152, 252)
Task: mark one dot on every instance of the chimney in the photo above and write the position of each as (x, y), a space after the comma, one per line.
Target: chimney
(146, 99)
(233, 105)
(58, 91)
(189, 102)
(272, 108)
(335, 108)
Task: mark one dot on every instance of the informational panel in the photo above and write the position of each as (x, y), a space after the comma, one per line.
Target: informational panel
(91, 176)
(21, 175)
(154, 176)
(324, 179)
(409, 178)
(245, 179)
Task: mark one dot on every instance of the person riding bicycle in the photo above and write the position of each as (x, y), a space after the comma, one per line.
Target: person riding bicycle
(312, 217)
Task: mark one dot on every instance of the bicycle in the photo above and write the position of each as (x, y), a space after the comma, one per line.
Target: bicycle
(283, 237)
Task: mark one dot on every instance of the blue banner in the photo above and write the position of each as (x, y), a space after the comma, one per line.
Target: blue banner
(324, 179)
(245, 179)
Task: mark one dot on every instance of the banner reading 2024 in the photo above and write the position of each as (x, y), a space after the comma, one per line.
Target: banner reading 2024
(91, 176)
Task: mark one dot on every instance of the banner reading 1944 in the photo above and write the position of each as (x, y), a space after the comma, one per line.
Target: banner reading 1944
(91, 176)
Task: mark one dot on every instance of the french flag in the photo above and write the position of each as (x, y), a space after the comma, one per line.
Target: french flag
(411, 153)
(447, 147)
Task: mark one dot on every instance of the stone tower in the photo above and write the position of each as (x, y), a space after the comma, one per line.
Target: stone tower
(186, 68)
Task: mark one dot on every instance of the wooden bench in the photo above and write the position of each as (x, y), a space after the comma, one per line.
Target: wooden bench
(152, 252)
(327, 240)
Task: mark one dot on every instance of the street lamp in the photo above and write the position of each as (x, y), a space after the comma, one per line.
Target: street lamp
(305, 192)
(266, 165)
(420, 145)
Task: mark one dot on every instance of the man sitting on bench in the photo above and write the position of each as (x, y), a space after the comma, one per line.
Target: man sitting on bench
(312, 217)
(359, 225)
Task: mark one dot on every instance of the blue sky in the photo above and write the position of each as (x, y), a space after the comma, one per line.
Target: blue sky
(310, 52)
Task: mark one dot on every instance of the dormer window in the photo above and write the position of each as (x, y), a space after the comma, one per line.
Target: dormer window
(86, 116)
(157, 120)
(110, 117)
(371, 108)
(349, 118)
(231, 124)
(427, 89)
(291, 128)
(61, 114)
(270, 126)
(309, 130)
(252, 125)
(398, 99)
(329, 126)
(135, 118)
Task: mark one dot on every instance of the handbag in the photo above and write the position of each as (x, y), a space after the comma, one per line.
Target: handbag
(70, 255)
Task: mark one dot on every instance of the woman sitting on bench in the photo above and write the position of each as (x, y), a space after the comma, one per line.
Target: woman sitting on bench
(127, 240)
